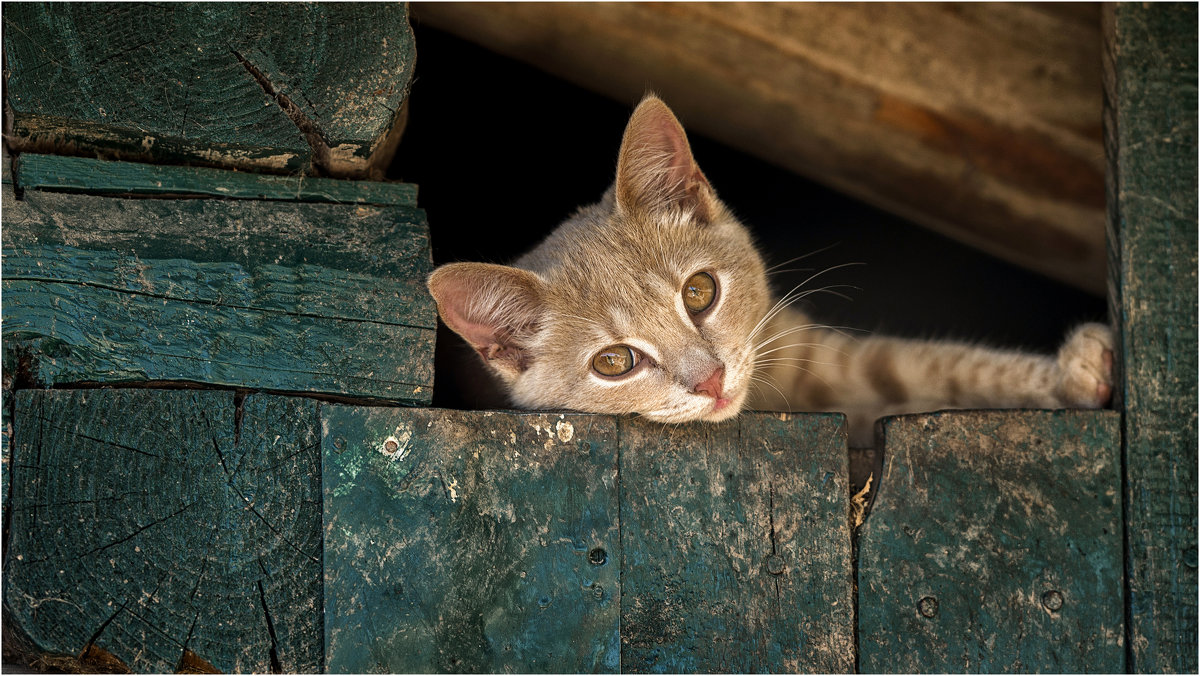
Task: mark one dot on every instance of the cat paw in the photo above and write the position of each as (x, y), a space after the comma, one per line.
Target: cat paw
(1085, 366)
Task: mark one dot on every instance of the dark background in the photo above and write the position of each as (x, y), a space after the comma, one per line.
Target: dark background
(503, 152)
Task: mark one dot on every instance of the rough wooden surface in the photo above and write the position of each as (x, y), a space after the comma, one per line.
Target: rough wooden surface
(96, 177)
(154, 524)
(1150, 130)
(994, 545)
(467, 542)
(979, 120)
(277, 87)
(292, 297)
(736, 546)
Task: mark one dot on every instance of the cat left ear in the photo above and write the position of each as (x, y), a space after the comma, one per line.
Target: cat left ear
(495, 308)
(655, 169)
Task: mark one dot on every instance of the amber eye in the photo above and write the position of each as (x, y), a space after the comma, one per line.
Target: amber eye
(699, 292)
(614, 360)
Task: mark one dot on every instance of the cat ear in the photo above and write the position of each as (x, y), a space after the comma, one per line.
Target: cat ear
(495, 308)
(655, 169)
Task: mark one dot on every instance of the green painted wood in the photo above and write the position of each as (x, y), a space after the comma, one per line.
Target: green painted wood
(290, 297)
(149, 522)
(92, 176)
(467, 541)
(1150, 138)
(736, 546)
(994, 545)
(285, 87)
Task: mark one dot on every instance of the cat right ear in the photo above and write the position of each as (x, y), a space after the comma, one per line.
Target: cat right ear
(495, 308)
(655, 168)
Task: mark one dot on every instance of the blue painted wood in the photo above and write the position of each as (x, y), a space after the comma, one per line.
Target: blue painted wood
(1150, 137)
(736, 546)
(93, 176)
(464, 541)
(281, 87)
(156, 525)
(311, 298)
(994, 545)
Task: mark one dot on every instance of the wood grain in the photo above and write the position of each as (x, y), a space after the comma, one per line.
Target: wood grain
(736, 546)
(286, 88)
(469, 542)
(154, 524)
(994, 545)
(981, 121)
(104, 177)
(311, 298)
(1150, 133)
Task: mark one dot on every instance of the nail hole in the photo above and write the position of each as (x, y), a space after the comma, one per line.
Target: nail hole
(598, 557)
(928, 606)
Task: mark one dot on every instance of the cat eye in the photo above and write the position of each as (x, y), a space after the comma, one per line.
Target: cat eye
(615, 360)
(699, 292)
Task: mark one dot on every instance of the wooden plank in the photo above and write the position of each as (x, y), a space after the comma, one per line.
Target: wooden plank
(262, 86)
(736, 546)
(979, 120)
(97, 177)
(463, 541)
(291, 297)
(1150, 134)
(994, 545)
(155, 524)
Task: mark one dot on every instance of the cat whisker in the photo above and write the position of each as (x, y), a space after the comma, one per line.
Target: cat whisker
(762, 381)
(796, 329)
(803, 256)
(759, 355)
(791, 297)
(809, 372)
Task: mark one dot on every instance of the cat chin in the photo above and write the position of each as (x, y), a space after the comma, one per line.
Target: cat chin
(712, 412)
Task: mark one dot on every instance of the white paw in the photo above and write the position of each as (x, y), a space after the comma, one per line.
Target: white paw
(1085, 364)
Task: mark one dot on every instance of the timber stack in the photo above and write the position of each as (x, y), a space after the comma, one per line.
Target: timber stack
(219, 451)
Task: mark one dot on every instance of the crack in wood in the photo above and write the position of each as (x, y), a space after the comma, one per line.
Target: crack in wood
(134, 533)
(212, 303)
(104, 625)
(74, 432)
(254, 510)
(239, 410)
(309, 129)
(213, 435)
(276, 667)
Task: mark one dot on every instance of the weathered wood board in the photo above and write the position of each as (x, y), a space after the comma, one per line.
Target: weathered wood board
(736, 544)
(463, 541)
(979, 120)
(315, 298)
(102, 177)
(1150, 133)
(995, 545)
(151, 524)
(284, 87)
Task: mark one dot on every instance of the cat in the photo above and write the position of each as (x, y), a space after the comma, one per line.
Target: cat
(655, 301)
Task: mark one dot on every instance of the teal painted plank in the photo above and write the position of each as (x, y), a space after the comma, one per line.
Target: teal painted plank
(93, 176)
(290, 297)
(1150, 138)
(157, 522)
(264, 86)
(994, 545)
(470, 542)
(736, 546)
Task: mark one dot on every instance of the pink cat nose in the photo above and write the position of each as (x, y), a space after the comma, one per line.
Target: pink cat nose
(711, 385)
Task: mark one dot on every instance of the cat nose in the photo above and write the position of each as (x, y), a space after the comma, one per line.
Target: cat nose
(711, 385)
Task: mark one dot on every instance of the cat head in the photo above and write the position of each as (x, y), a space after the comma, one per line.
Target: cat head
(646, 302)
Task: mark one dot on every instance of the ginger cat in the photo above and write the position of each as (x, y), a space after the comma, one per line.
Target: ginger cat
(655, 301)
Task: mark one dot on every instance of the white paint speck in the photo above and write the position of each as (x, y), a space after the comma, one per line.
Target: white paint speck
(566, 431)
